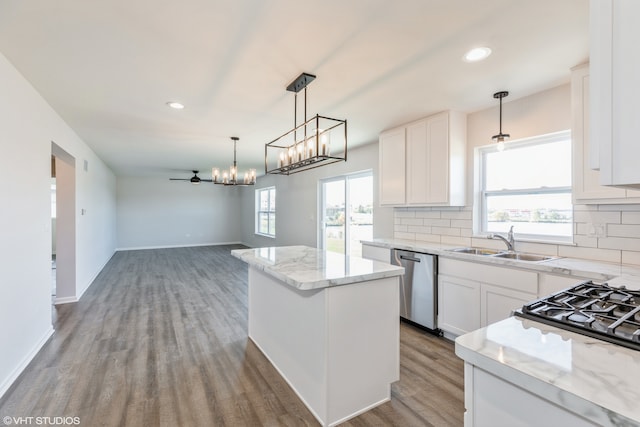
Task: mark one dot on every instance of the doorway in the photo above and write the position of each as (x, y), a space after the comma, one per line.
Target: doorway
(346, 212)
(64, 232)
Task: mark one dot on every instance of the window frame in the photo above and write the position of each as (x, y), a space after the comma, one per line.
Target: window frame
(482, 194)
(271, 211)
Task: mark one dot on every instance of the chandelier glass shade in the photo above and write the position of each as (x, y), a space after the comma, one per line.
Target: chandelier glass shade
(230, 177)
(315, 142)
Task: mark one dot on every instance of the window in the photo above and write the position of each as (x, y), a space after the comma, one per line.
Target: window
(266, 211)
(528, 186)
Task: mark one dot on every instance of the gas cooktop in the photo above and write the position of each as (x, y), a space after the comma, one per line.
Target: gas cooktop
(597, 310)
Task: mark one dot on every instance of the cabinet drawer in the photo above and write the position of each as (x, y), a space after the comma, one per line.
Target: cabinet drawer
(511, 278)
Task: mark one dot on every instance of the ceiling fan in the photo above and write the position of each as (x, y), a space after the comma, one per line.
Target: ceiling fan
(195, 179)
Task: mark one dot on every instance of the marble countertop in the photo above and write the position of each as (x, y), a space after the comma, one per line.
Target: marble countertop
(585, 375)
(615, 274)
(308, 268)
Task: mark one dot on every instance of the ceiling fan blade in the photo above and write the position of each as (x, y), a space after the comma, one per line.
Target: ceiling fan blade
(179, 179)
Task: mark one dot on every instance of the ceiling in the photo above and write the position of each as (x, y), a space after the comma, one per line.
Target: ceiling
(109, 67)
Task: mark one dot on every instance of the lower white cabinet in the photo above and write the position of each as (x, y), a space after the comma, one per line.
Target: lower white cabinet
(458, 305)
(493, 402)
(472, 295)
(497, 303)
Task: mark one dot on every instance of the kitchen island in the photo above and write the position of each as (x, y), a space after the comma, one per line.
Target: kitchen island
(520, 372)
(329, 323)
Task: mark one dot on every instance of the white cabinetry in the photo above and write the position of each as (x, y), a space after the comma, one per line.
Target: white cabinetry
(615, 90)
(423, 163)
(492, 401)
(392, 169)
(473, 295)
(458, 304)
(586, 181)
(376, 253)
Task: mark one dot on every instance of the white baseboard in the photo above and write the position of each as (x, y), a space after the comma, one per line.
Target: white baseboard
(140, 248)
(90, 281)
(4, 386)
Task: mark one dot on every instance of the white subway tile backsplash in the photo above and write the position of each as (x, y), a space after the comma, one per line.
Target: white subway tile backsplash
(446, 231)
(407, 236)
(619, 208)
(597, 217)
(419, 229)
(431, 238)
(605, 255)
(623, 230)
(458, 215)
(623, 243)
(631, 257)
(437, 222)
(585, 241)
(462, 223)
(427, 214)
(585, 208)
(411, 221)
(455, 240)
(631, 217)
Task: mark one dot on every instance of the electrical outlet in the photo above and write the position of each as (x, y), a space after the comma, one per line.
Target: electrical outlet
(596, 230)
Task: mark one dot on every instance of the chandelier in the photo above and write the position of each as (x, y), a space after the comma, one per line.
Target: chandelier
(230, 177)
(315, 142)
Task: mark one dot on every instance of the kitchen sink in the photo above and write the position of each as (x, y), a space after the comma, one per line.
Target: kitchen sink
(476, 251)
(518, 256)
(524, 256)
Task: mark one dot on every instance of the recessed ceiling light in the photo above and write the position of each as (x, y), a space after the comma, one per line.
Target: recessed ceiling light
(477, 54)
(176, 105)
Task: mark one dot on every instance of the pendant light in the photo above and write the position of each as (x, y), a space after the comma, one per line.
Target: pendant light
(315, 142)
(500, 137)
(230, 177)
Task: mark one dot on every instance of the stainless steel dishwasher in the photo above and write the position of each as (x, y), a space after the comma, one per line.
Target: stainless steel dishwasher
(418, 287)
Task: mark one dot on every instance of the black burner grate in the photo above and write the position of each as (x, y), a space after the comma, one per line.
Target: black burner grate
(597, 310)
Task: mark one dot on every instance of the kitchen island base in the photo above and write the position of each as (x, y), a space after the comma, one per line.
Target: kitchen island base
(337, 347)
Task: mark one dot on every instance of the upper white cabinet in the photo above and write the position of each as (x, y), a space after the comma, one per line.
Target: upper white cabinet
(586, 181)
(615, 91)
(423, 163)
(392, 151)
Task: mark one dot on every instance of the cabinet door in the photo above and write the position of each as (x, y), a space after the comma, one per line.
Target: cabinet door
(438, 160)
(417, 163)
(586, 181)
(626, 92)
(615, 90)
(392, 167)
(458, 305)
(497, 303)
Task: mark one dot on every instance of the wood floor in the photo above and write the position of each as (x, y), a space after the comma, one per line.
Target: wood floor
(160, 339)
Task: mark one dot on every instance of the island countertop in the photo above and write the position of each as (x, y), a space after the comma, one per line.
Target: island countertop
(308, 268)
(588, 376)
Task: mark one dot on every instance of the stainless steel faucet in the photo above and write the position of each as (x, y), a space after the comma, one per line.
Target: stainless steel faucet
(509, 240)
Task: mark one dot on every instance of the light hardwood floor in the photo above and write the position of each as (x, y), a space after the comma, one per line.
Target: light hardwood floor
(160, 339)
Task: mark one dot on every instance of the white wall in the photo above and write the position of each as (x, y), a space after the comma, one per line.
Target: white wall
(545, 112)
(156, 212)
(297, 202)
(28, 125)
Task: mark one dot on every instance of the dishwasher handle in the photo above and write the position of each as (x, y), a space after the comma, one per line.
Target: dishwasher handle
(410, 258)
